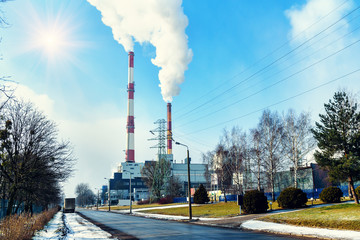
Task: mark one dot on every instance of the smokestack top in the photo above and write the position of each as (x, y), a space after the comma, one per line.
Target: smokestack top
(131, 59)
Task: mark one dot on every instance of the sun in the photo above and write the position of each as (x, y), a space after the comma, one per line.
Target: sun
(52, 42)
(52, 35)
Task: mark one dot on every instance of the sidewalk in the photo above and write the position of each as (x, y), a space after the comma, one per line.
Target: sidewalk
(249, 222)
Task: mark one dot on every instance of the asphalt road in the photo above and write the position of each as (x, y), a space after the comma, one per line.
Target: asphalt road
(145, 228)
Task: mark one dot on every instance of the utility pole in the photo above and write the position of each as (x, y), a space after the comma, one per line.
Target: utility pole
(189, 182)
(109, 199)
(130, 195)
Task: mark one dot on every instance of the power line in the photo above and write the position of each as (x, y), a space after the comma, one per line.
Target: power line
(218, 102)
(284, 79)
(269, 65)
(269, 54)
(277, 103)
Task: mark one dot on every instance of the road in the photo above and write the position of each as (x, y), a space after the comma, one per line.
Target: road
(145, 228)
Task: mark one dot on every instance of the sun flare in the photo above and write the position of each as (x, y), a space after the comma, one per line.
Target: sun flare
(52, 42)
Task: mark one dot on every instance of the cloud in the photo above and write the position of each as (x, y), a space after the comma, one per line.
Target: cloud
(42, 101)
(159, 22)
(313, 23)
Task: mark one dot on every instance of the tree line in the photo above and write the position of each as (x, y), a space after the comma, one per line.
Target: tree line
(282, 141)
(33, 161)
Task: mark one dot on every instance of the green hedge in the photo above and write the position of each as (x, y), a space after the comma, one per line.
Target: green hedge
(292, 198)
(255, 202)
(331, 195)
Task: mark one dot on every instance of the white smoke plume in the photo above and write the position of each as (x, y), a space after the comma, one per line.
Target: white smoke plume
(159, 22)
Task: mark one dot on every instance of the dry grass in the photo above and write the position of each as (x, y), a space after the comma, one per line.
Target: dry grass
(341, 216)
(24, 226)
(206, 210)
(216, 210)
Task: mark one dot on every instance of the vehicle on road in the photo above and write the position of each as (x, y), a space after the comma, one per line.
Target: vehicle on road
(69, 205)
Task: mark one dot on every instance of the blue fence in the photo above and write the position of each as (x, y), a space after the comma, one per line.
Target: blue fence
(311, 193)
(3, 208)
(182, 200)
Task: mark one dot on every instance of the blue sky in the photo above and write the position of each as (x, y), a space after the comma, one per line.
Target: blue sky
(81, 83)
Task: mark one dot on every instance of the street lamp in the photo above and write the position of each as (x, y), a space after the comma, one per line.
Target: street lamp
(189, 183)
(129, 190)
(109, 200)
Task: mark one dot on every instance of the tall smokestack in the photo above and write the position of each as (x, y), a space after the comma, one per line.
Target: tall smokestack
(169, 130)
(130, 126)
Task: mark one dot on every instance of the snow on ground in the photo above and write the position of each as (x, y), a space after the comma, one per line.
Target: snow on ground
(81, 229)
(138, 212)
(289, 229)
(70, 226)
(170, 217)
(52, 230)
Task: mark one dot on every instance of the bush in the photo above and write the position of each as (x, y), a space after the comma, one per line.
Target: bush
(357, 191)
(292, 198)
(331, 195)
(142, 202)
(165, 200)
(201, 195)
(255, 202)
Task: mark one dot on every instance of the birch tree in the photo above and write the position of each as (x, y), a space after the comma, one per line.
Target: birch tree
(271, 130)
(297, 139)
(257, 155)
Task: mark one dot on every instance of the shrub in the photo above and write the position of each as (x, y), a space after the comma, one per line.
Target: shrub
(292, 198)
(165, 200)
(331, 195)
(357, 191)
(142, 202)
(255, 202)
(201, 195)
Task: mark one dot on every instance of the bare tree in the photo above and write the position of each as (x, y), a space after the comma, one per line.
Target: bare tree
(222, 168)
(156, 175)
(257, 155)
(147, 173)
(33, 161)
(208, 159)
(239, 158)
(297, 139)
(84, 195)
(173, 187)
(271, 130)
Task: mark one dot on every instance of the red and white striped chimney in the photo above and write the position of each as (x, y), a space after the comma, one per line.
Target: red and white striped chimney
(130, 126)
(169, 130)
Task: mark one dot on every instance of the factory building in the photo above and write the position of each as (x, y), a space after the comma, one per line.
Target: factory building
(197, 174)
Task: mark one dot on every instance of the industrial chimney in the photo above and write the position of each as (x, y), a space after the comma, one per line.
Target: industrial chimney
(169, 130)
(130, 126)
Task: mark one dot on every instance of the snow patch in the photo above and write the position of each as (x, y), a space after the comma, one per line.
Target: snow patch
(81, 229)
(71, 226)
(52, 230)
(295, 230)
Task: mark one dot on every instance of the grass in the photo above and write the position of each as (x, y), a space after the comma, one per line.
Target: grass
(17, 227)
(343, 216)
(215, 210)
(139, 206)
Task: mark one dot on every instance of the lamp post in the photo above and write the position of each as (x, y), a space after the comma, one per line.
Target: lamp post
(109, 199)
(189, 183)
(130, 193)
